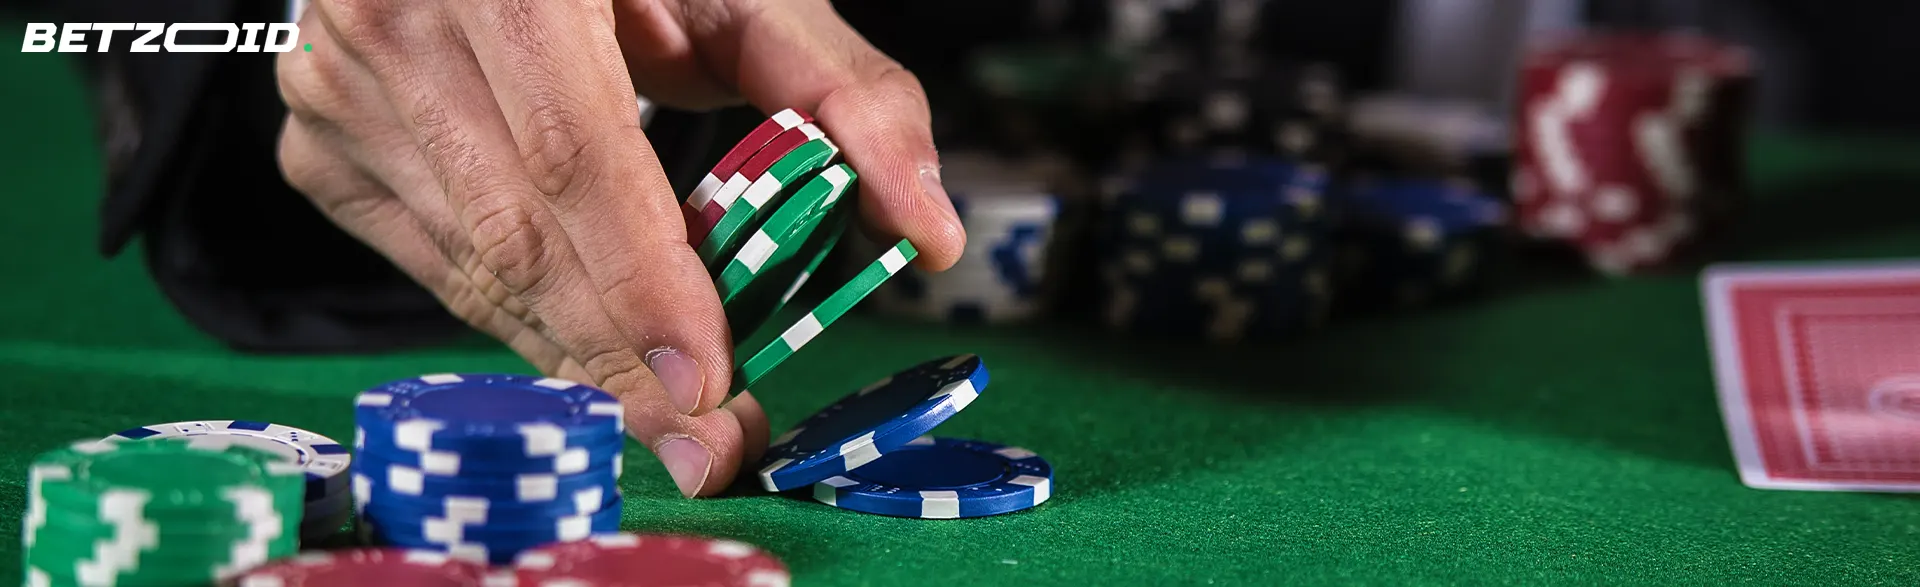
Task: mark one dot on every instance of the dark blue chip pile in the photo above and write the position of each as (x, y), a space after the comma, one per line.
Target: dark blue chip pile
(486, 466)
(1222, 247)
(1411, 241)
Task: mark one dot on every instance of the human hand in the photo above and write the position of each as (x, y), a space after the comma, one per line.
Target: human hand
(492, 150)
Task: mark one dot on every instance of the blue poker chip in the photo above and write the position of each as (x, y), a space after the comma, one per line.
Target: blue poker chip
(943, 478)
(577, 502)
(586, 500)
(488, 415)
(325, 461)
(1394, 203)
(495, 545)
(872, 422)
(371, 475)
(569, 459)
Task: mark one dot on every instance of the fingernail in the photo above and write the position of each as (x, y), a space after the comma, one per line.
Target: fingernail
(680, 375)
(687, 461)
(930, 182)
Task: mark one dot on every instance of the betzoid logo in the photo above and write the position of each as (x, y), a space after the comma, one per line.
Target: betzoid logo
(155, 37)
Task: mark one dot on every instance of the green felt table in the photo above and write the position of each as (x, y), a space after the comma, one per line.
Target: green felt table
(1560, 432)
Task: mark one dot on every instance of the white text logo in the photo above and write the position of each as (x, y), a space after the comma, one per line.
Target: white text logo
(155, 37)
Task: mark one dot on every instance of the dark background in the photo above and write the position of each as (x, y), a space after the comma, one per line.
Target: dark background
(1835, 64)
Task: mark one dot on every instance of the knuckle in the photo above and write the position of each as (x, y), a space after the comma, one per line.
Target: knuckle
(511, 246)
(364, 24)
(317, 87)
(555, 147)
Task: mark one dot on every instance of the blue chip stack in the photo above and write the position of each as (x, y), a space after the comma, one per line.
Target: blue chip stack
(1408, 242)
(1226, 248)
(485, 466)
(1014, 229)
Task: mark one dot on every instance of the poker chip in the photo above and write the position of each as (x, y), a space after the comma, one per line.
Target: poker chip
(1411, 241)
(753, 285)
(871, 422)
(485, 466)
(519, 488)
(737, 156)
(365, 566)
(763, 161)
(567, 460)
(1628, 146)
(650, 560)
(324, 460)
(1224, 249)
(1189, 103)
(568, 502)
(942, 478)
(487, 415)
(1015, 228)
(492, 541)
(768, 190)
(837, 304)
(180, 510)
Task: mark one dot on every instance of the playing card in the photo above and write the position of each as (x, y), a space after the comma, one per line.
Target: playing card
(1818, 369)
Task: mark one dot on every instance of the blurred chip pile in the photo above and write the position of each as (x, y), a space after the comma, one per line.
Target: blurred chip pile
(1162, 167)
(1629, 145)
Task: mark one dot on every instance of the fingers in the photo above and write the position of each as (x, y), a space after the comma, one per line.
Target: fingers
(562, 87)
(800, 53)
(556, 204)
(702, 453)
(662, 59)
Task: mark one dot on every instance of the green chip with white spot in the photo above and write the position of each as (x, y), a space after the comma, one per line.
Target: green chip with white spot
(765, 193)
(752, 285)
(839, 303)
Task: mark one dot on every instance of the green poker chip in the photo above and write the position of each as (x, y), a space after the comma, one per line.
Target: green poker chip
(772, 353)
(766, 192)
(753, 285)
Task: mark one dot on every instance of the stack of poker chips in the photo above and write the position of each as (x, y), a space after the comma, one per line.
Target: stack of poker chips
(1409, 241)
(870, 452)
(1224, 248)
(1195, 104)
(1628, 145)
(169, 511)
(485, 466)
(329, 501)
(1016, 231)
(763, 220)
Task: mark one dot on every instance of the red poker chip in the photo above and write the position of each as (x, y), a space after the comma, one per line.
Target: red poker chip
(366, 566)
(743, 151)
(650, 560)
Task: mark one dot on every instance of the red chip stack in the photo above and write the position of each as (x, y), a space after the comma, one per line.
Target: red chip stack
(1629, 146)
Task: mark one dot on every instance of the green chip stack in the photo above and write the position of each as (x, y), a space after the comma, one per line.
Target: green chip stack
(160, 512)
(773, 237)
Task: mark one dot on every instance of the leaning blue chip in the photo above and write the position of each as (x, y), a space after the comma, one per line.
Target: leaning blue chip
(570, 459)
(867, 424)
(488, 415)
(943, 478)
(372, 475)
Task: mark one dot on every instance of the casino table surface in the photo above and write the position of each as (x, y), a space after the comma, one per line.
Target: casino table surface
(1563, 431)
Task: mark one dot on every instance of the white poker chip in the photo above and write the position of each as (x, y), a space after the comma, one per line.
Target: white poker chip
(324, 461)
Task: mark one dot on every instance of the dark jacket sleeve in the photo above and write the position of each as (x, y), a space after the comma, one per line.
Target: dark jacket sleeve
(191, 141)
